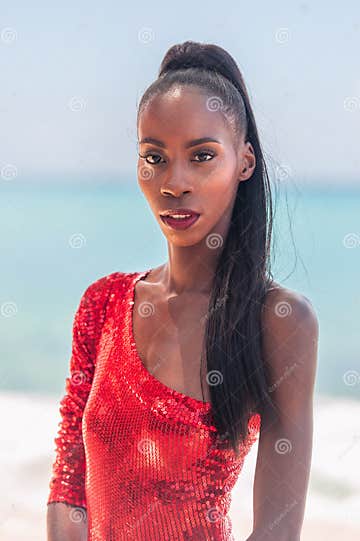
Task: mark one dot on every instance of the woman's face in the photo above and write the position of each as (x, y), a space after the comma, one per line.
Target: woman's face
(176, 171)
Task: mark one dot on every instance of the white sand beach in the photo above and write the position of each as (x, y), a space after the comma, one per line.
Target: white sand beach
(29, 425)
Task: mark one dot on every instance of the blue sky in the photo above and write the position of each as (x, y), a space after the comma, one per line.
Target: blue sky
(73, 74)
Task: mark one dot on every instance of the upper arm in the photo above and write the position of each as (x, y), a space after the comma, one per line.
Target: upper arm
(289, 341)
(67, 482)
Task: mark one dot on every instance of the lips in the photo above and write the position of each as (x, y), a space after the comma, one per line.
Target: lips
(189, 213)
(181, 222)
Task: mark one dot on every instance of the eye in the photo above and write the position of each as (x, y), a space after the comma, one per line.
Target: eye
(206, 153)
(158, 157)
(145, 156)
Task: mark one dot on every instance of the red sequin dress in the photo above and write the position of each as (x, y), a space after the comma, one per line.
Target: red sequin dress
(141, 458)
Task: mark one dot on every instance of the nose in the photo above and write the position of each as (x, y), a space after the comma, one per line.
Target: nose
(174, 191)
(175, 186)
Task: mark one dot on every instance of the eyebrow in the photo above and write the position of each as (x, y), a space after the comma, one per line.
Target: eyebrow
(192, 143)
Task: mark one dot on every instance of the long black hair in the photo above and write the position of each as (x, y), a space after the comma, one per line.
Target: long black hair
(236, 371)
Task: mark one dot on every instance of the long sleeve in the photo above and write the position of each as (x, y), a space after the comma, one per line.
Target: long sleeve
(67, 483)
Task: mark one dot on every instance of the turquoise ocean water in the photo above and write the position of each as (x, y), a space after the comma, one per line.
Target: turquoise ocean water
(58, 238)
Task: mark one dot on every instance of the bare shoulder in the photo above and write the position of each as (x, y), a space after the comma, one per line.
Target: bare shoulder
(284, 307)
(290, 332)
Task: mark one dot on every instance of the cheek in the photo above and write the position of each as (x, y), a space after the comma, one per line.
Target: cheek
(219, 186)
(145, 173)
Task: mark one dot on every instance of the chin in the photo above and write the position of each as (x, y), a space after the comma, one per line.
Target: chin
(181, 237)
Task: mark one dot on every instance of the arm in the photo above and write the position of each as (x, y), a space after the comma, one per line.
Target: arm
(285, 442)
(66, 504)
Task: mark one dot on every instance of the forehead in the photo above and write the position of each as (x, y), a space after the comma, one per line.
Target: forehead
(183, 113)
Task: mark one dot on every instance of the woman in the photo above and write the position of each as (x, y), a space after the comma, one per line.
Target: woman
(178, 369)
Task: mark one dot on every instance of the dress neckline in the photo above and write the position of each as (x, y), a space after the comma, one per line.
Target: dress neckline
(197, 404)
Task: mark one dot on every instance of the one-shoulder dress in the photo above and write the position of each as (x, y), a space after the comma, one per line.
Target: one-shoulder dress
(143, 460)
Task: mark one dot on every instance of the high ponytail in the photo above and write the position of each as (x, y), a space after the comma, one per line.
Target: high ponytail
(232, 339)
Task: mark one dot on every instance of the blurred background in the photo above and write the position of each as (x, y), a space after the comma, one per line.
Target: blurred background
(71, 210)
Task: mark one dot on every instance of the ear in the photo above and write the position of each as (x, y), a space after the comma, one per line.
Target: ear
(247, 162)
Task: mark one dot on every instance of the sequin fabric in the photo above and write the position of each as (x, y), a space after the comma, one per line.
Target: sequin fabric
(144, 460)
